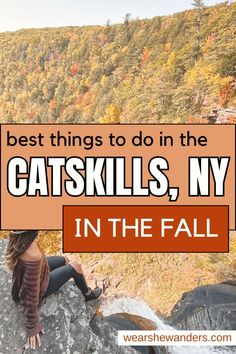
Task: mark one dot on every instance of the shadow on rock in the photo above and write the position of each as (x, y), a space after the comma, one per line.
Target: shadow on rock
(124, 321)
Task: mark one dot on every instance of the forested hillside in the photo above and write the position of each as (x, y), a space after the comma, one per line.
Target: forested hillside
(166, 69)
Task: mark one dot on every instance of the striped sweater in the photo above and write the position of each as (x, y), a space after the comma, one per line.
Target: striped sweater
(29, 284)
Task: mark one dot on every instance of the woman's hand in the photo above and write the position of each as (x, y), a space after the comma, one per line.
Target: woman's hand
(34, 341)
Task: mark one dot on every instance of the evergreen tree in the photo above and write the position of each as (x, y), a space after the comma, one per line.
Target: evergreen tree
(200, 7)
(198, 4)
(127, 26)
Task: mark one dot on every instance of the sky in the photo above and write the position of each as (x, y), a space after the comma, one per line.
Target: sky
(18, 14)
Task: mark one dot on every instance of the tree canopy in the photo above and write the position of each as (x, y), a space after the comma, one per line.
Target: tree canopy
(160, 70)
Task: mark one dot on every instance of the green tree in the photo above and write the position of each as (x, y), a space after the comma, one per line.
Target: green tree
(127, 26)
(200, 7)
(228, 65)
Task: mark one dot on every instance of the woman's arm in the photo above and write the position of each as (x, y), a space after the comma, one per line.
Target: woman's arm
(29, 297)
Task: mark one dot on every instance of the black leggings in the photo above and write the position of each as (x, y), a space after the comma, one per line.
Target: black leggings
(60, 273)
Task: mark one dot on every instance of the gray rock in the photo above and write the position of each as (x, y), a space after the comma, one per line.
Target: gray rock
(123, 321)
(65, 318)
(221, 116)
(72, 327)
(209, 307)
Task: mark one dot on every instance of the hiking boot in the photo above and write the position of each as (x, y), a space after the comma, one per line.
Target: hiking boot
(93, 294)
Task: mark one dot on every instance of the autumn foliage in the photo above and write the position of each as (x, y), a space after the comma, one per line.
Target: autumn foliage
(165, 69)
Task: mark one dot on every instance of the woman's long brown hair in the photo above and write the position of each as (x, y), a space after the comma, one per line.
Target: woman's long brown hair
(18, 244)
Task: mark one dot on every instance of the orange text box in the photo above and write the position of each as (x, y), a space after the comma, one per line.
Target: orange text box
(145, 228)
(44, 212)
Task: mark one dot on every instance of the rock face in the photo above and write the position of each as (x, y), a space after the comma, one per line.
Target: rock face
(221, 116)
(211, 307)
(72, 327)
(102, 326)
(65, 318)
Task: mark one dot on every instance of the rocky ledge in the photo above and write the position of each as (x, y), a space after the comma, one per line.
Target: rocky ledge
(65, 318)
(73, 327)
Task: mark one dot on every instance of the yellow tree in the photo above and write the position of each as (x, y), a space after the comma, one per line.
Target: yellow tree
(112, 114)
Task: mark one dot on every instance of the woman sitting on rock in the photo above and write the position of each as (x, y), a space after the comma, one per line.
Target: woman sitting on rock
(34, 277)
